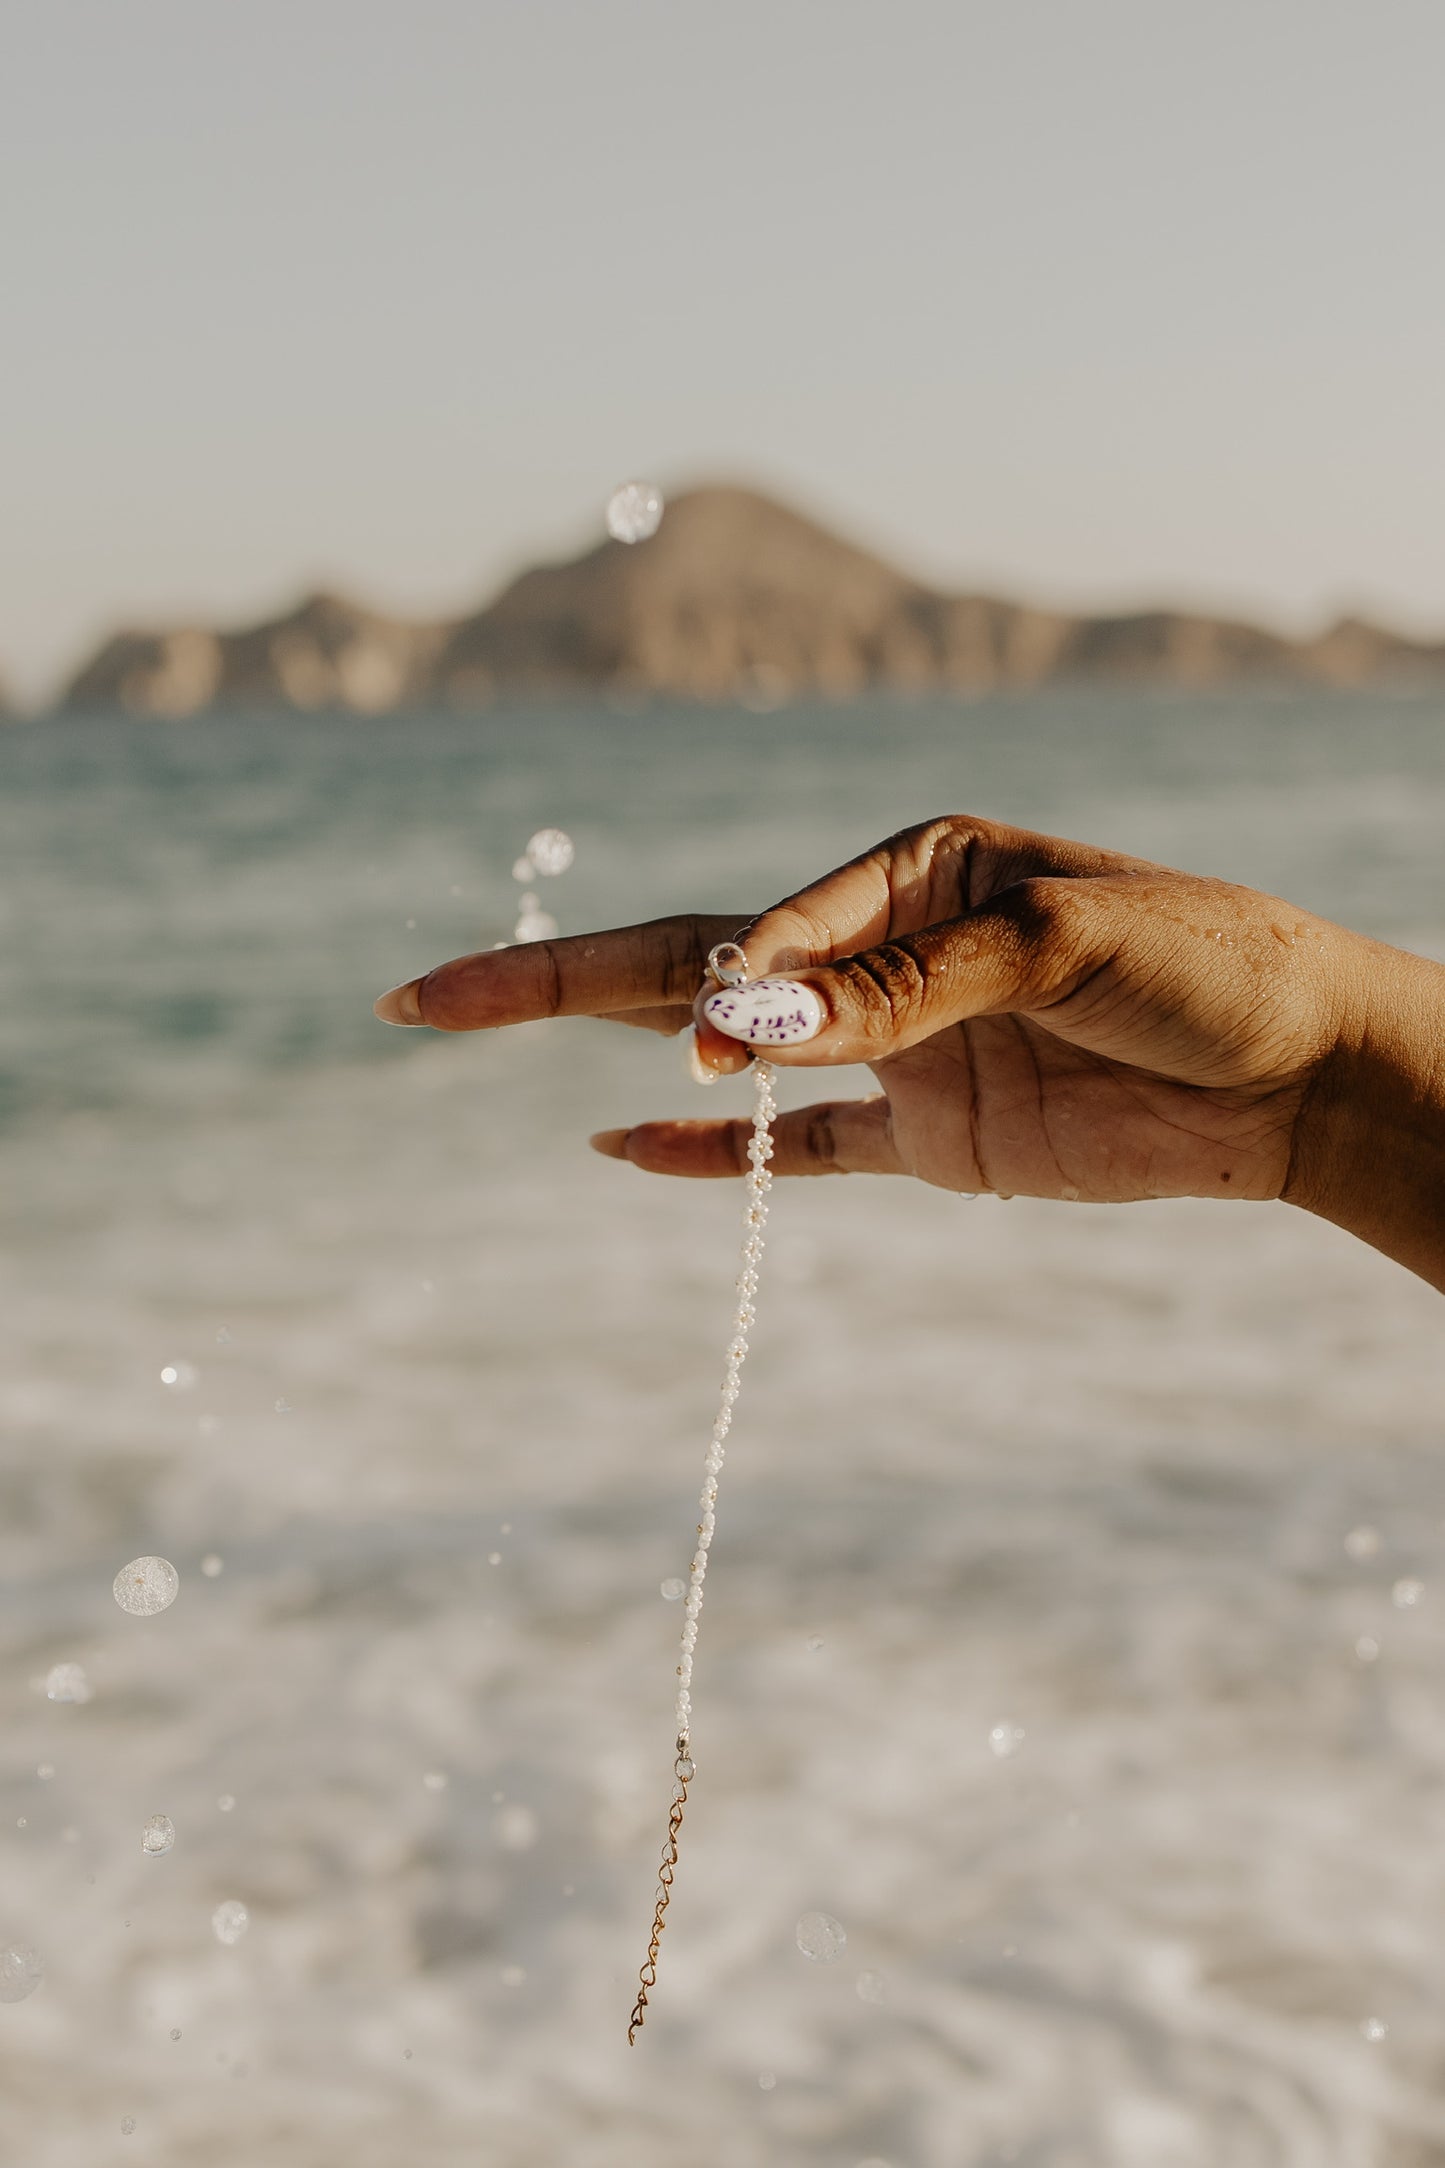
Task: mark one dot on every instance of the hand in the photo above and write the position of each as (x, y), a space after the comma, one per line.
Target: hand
(1042, 1017)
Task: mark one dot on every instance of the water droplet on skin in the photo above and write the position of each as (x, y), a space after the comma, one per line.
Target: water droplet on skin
(158, 1836)
(435, 1780)
(229, 1921)
(634, 512)
(127, 2126)
(1005, 1739)
(406, 2055)
(1362, 1542)
(767, 2079)
(67, 1682)
(22, 1823)
(1406, 1594)
(871, 1987)
(212, 1564)
(821, 1937)
(815, 1642)
(145, 1586)
(180, 1377)
(21, 1971)
(175, 2032)
(1374, 2028)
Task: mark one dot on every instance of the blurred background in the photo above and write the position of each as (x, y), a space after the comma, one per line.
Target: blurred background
(1074, 1633)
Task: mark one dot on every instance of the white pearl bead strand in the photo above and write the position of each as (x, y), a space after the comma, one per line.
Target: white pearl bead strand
(755, 1218)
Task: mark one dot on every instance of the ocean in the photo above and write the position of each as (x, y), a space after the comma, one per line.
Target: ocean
(1153, 1497)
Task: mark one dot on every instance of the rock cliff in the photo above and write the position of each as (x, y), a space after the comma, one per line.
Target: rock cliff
(735, 598)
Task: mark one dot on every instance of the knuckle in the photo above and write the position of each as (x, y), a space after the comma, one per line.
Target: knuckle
(887, 984)
(819, 1142)
(549, 977)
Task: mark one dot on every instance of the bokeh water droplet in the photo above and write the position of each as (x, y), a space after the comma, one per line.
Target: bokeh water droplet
(127, 2126)
(67, 1682)
(1362, 1542)
(435, 1780)
(767, 2079)
(673, 1588)
(821, 1937)
(516, 1828)
(1374, 2028)
(871, 1987)
(226, 1802)
(523, 870)
(1406, 1594)
(1005, 1739)
(212, 1564)
(21, 1971)
(551, 851)
(229, 1921)
(158, 1836)
(1367, 1648)
(145, 1586)
(634, 511)
(45, 1771)
(534, 926)
(180, 1377)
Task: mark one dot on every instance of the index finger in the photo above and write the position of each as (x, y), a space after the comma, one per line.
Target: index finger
(586, 974)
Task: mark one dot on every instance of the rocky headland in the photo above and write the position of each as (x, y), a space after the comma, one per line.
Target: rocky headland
(735, 598)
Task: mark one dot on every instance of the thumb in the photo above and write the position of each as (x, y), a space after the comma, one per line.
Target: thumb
(1029, 946)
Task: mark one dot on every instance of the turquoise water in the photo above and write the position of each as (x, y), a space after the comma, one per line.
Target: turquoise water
(1085, 1471)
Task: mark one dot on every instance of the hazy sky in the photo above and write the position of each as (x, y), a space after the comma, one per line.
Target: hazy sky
(1092, 299)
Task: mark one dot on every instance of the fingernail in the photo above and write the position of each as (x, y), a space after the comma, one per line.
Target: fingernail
(766, 1012)
(400, 1005)
(611, 1143)
(697, 1068)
